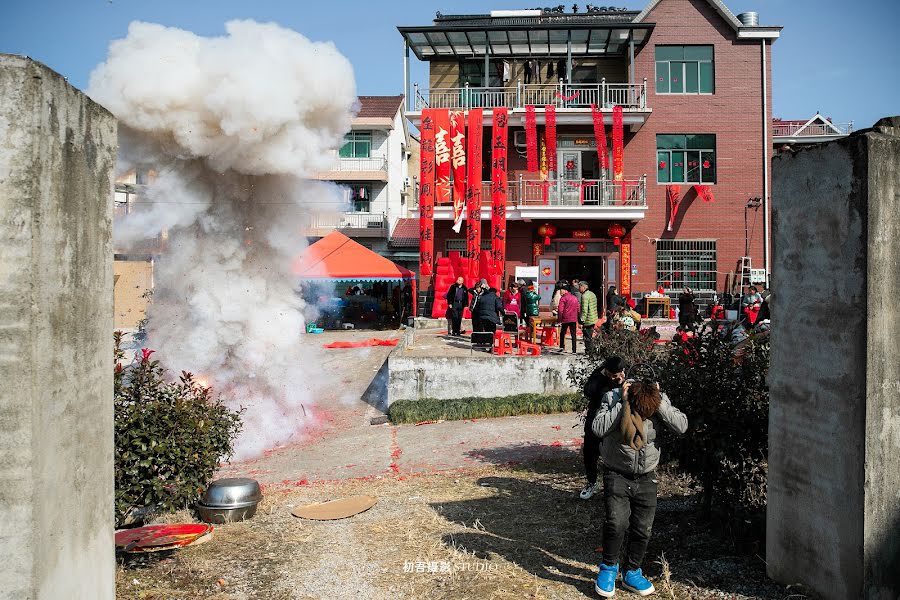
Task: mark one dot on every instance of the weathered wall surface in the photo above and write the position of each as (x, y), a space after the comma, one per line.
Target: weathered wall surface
(834, 424)
(57, 155)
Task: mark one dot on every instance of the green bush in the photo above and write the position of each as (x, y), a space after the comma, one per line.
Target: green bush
(722, 389)
(169, 436)
(431, 409)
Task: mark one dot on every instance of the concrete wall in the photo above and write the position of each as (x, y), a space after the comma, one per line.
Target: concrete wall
(834, 422)
(478, 376)
(133, 278)
(57, 155)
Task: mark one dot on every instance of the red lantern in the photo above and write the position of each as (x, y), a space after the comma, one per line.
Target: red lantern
(546, 231)
(616, 232)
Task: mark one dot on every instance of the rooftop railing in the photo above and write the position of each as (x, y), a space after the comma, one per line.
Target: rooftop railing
(562, 95)
(370, 163)
(350, 220)
(811, 130)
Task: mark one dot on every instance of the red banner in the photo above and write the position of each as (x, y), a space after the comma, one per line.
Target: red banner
(426, 193)
(499, 136)
(441, 155)
(550, 128)
(600, 136)
(673, 197)
(458, 166)
(625, 266)
(473, 191)
(618, 135)
(705, 193)
(531, 139)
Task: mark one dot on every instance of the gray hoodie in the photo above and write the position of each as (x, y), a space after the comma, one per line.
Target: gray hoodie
(622, 457)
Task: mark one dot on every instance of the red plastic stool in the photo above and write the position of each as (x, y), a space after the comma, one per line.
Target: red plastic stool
(529, 349)
(549, 336)
(503, 343)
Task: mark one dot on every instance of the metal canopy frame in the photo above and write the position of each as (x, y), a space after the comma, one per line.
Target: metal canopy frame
(600, 35)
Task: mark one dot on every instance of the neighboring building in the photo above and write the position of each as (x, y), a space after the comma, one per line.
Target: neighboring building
(695, 84)
(372, 166)
(815, 130)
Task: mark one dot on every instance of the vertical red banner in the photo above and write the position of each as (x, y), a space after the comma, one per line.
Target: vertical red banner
(618, 135)
(499, 138)
(426, 193)
(625, 266)
(673, 197)
(600, 136)
(441, 155)
(473, 191)
(458, 166)
(531, 139)
(550, 128)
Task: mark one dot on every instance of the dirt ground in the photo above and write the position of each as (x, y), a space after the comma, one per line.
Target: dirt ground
(505, 531)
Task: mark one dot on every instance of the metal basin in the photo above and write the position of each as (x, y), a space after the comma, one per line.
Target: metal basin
(232, 492)
(216, 515)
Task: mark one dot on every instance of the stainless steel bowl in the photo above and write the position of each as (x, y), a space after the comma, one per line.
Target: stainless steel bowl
(232, 492)
(219, 516)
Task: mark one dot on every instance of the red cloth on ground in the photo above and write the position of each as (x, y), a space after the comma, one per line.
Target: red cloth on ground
(363, 344)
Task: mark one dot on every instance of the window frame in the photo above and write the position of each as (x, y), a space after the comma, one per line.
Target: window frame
(685, 149)
(684, 256)
(355, 139)
(683, 64)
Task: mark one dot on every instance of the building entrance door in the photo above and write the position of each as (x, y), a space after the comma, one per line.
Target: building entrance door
(569, 177)
(585, 268)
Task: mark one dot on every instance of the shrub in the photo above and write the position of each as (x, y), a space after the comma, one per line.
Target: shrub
(722, 389)
(432, 409)
(169, 436)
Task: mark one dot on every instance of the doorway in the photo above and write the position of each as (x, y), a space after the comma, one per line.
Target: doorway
(588, 268)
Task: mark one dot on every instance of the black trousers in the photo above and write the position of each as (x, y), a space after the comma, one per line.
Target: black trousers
(587, 332)
(486, 326)
(455, 321)
(591, 447)
(562, 336)
(630, 506)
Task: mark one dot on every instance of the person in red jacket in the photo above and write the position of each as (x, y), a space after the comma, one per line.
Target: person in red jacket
(568, 318)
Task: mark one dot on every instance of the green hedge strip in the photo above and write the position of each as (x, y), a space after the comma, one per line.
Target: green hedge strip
(432, 409)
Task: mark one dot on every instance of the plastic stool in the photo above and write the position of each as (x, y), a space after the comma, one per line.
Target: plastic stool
(529, 349)
(549, 336)
(503, 343)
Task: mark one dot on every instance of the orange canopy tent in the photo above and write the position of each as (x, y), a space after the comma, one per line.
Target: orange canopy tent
(338, 258)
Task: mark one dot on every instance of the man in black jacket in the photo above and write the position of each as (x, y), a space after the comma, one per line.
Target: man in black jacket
(457, 301)
(607, 377)
(488, 310)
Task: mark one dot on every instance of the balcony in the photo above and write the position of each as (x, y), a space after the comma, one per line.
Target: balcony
(572, 100)
(818, 129)
(373, 168)
(352, 224)
(564, 199)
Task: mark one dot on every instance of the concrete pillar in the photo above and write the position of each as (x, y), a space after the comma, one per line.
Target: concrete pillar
(57, 156)
(833, 519)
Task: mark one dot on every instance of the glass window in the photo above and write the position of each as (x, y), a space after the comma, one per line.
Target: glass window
(357, 144)
(684, 70)
(686, 158)
(689, 263)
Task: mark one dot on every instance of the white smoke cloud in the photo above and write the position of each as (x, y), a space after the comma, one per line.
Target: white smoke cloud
(231, 125)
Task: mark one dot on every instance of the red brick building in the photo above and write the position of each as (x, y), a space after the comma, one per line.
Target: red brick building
(694, 82)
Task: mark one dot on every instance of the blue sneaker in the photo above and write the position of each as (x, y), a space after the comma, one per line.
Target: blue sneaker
(606, 580)
(634, 581)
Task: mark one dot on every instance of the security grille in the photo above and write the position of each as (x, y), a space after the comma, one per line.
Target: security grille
(690, 263)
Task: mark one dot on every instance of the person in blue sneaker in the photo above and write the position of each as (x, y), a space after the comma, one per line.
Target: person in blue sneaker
(628, 421)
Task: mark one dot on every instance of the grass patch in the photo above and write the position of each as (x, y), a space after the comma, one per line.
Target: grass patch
(431, 409)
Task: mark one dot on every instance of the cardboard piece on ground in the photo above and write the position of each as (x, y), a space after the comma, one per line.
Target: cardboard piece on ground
(335, 509)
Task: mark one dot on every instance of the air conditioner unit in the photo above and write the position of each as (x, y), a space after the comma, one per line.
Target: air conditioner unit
(519, 140)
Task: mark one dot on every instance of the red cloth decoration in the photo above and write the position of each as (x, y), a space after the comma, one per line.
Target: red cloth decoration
(499, 138)
(673, 196)
(441, 156)
(531, 139)
(704, 192)
(363, 344)
(426, 193)
(600, 136)
(473, 191)
(458, 166)
(550, 117)
(618, 149)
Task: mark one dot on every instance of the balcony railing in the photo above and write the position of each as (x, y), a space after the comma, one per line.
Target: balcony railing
(811, 130)
(562, 95)
(350, 220)
(569, 192)
(372, 163)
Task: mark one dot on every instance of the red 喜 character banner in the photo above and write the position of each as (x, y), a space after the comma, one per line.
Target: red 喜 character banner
(426, 194)
(458, 166)
(600, 136)
(441, 155)
(550, 134)
(473, 191)
(531, 139)
(618, 135)
(499, 133)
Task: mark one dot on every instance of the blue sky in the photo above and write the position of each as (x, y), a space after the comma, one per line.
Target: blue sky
(838, 57)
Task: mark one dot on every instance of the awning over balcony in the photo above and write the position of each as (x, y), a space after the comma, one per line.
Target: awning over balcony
(539, 37)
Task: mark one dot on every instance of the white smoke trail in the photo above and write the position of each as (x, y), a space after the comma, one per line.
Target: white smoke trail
(231, 125)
